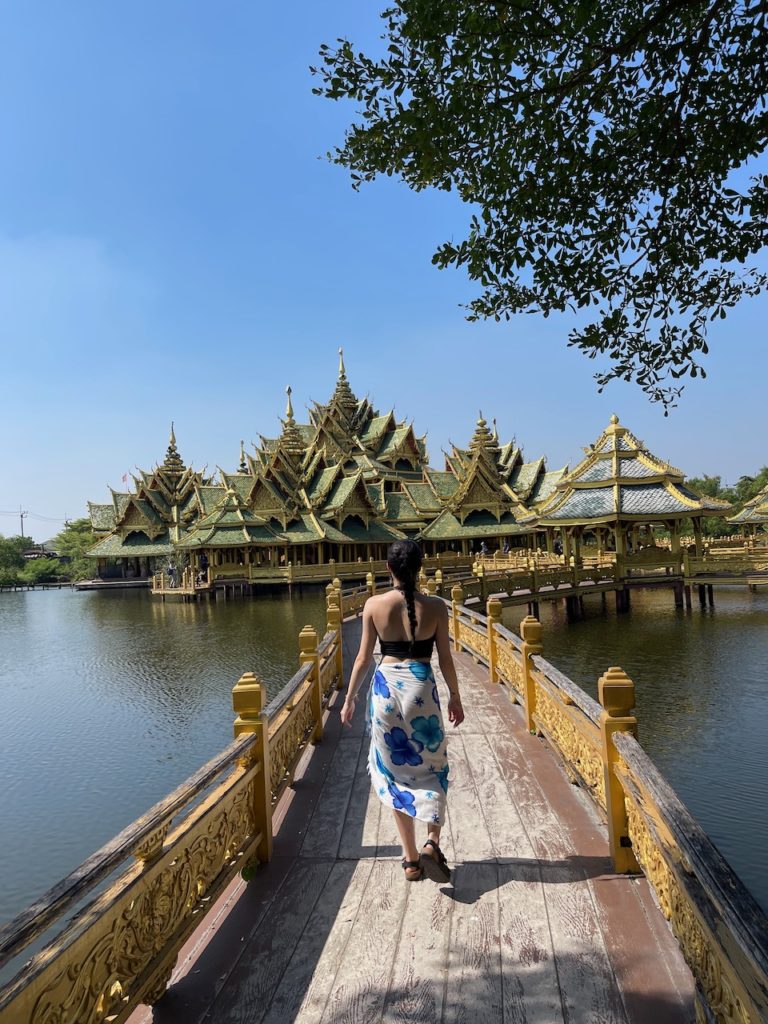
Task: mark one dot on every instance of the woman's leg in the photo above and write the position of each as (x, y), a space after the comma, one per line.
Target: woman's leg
(433, 833)
(407, 835)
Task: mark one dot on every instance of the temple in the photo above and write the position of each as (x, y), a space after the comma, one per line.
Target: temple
(619, 492)
(341, 487)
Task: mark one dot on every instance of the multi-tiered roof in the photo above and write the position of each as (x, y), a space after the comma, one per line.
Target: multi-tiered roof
(755, 511)
(152, 519)
(620, 480)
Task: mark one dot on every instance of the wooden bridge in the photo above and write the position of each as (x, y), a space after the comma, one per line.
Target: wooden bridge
(268, 887)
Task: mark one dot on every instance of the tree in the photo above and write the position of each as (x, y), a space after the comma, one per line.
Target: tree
(74, 540)
(595, 144)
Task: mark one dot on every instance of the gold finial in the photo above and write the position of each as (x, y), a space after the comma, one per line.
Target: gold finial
(243, 466)
(342, 371)
(614, 419)
(173, 435)
(495, 430)
(289, 404)
(481, 421)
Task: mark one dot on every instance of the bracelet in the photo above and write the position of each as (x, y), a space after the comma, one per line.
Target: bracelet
(351, 696)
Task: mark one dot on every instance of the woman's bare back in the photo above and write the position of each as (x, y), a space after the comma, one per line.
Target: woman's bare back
(390, 615)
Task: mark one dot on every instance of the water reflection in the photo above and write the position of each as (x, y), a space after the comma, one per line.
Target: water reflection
(110, 699)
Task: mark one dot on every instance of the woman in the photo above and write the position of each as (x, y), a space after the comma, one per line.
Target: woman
(408, 761)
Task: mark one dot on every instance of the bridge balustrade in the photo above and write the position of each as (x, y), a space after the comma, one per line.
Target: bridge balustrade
(722, 932)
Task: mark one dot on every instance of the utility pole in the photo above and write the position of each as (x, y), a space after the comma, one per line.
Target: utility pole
(22, 517)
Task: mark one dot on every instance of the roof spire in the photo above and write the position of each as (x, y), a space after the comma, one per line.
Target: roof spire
(343, 398)
(243, 467)
(495, 431)
(172, 458)
(289, 406)
(291, 440)
(342, 371)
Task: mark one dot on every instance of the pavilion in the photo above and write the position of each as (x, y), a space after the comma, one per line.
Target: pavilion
(754, 515)
(616, 491)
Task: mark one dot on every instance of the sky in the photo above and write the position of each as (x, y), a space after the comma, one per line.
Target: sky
(174, 247)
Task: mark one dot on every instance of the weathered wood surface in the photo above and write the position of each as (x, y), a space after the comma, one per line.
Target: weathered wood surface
(532, 929)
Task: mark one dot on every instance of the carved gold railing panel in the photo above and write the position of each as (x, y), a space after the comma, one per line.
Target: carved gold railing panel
(573, 734)
(721, 931)
(509, 665)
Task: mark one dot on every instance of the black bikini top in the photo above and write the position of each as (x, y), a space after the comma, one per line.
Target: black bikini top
(406, 649)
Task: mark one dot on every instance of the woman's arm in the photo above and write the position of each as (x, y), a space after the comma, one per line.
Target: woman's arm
(362, 661)
(445, 660)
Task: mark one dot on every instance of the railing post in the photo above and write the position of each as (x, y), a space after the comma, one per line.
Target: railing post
(616, 692)
(480, 573)
(248, 703)
(333, 620)
(370, 583)
(457, 600)
(493, 610)
(430, 584)
(531, 632)
(439, 581)
(308, 656)
(421, 581)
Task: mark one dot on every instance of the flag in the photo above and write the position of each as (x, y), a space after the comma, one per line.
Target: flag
(125, 478)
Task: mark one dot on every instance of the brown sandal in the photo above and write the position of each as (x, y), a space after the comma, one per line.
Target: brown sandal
(412, 866)
(435, 868)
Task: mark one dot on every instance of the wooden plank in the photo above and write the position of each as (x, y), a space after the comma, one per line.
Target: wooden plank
(364, 965)
(305, 986)
(262, 960)
(325, 827)
(359, 834)
(504, 825)
(473, 987)
(587, 984)
(530, 988)
(416, 988)
(471, 840)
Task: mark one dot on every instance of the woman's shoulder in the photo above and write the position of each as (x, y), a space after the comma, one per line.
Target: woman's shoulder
(435, 604)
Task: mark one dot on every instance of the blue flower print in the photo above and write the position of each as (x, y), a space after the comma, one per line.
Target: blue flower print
(402, 800)
(421, 669)
(399, 684)
(401, 749)
(442, 777)
(380, 687)
(389, 707)
(383, 768)
(430, 795)
(419, 702)
(435, 695)
(436, 818)
(427, 731)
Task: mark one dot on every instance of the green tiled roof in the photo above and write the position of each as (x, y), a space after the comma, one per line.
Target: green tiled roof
(546, 484)
(477, 524)
(136, 545)
(375, 428)
(524, 477)
(392, 441)
(210, 497)
(423, 497)
(321, 484)
(444, 483)
(102, 516)
(375, 533)
(754, 511)
(341, 491)
(400, 508)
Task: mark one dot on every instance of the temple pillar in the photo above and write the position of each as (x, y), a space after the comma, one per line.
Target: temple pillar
(621, 543)
(550, 540)
(577, 547)
(566, 545)
(697, 538)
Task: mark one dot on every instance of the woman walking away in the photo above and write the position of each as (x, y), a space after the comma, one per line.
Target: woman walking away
(408, 759)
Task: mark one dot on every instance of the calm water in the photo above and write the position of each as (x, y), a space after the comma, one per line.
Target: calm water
(109, 700)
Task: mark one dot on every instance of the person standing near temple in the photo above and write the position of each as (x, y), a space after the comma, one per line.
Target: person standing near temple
(408, 757)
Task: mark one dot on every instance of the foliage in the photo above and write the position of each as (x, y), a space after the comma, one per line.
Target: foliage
(40, 570)
(72, 543)
(595, 144)
(12, 552)
(745, 488)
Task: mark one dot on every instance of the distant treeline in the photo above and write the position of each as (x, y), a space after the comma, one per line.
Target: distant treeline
(71, 564)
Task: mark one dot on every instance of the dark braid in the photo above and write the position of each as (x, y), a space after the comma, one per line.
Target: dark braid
(404, 559)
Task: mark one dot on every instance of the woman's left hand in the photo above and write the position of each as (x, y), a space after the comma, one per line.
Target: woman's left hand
(347, 712)
(455, 711)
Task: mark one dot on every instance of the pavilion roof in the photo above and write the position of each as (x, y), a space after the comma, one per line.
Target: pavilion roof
(134, 545)
(755, 510)
(477, 524)
(620, 479)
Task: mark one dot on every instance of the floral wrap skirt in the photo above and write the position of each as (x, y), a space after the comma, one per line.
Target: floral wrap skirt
(408, 759)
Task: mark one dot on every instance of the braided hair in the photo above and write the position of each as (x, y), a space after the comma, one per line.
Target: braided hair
(404, 560)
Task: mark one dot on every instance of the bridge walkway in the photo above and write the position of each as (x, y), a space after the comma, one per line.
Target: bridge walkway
(533, 926)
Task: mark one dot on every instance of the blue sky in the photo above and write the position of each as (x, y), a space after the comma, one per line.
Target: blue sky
(173, 247)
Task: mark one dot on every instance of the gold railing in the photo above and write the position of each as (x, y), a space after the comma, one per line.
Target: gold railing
(721, 931)
(119, 942)
(722, 564)
(190, 582)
